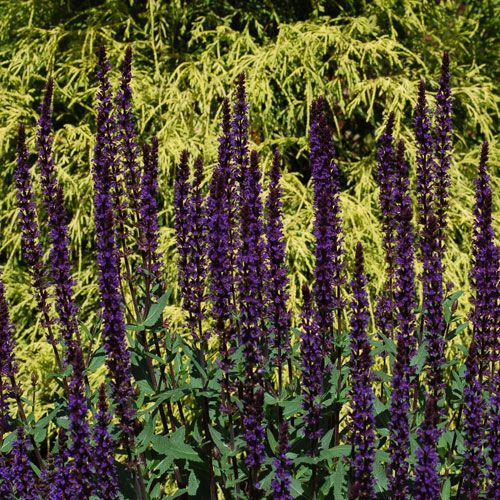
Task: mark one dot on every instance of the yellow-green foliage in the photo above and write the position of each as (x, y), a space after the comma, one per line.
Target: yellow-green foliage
(366, 61)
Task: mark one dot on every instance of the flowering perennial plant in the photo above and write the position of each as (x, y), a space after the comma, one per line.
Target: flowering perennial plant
(234, 396)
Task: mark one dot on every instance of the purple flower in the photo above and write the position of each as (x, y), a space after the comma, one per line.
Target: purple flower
(220, 235)
(361, 393)
(425, 159)
(30, 237)
(428, 173)
(118, 360)
(311, 356)
(106, 485)
(194, 293)
(484, 275)
(239, 132)
(53, 199)
(61, 479)
(253, 434)
(282, 479)
(328, 251)
(493, 439)
(276, 273)
(23, 477)
(427, 483)
(385, 175)
(126, 133)
(251, 295)
(485, 320)
(443, 143)
(149, 210)
(79, 450)
(5, 479)
(406, 338)
(182, 223)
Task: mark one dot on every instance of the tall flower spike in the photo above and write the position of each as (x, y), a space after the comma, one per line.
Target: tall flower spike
(427, 483)
(239, 131)
(106, 485)
(149, 231)
(81, 465)
(196, 269)
(251, 266)
(251, 295)
(406, 335)
(23, 477)
(277, 280)
(360, 365)
(484, 275)
(485, 322)
(61, 480)
(126, 132)
(425, 160)
(282, 480)
(311, 356)
(182, 223)
(385, 178)
(430, 239)
(118, 360)
(443, 144)
(53, 199)
(30, 237)
(328, 251)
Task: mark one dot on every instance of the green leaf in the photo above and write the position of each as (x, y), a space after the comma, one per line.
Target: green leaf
(446, 491)
(174, 447)
(97, 360)
(157, 309)
(338, 480)
(338, 451)
(420, 357)
(193, 484)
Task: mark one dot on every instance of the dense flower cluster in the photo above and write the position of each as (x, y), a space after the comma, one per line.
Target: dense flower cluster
(360, 364)
(118, 359)
(406, 335)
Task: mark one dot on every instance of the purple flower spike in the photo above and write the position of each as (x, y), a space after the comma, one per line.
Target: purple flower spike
(220, 225)
(61, 480)
(484, 274)
(493, 439)
(53, 199)
(23, 477)
(194, 294)
(253, 401)
(108, 259)
(182, 190)
(81, 465)
(425, 161)
(277, 280)
(311, 356)
(149, 210)
(251, 266)
(126, 132)
(483, 352)
(327, 223)
(443, 143)
(30, 233)
(406, 338)
(5, 479)
(360, 364)
(239, 132)
(427, 483)
(106, 485)
(282, 480)
(385, 177)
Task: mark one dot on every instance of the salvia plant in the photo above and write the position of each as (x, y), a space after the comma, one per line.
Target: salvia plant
(244, 399)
